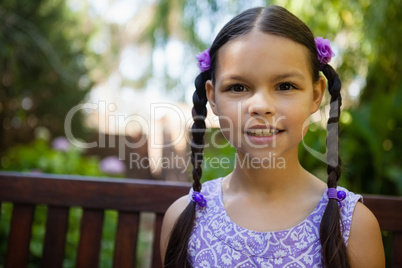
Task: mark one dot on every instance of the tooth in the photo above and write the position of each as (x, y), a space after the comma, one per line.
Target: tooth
(263, 132)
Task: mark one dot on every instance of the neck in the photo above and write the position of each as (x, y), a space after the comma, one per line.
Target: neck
(275, 175)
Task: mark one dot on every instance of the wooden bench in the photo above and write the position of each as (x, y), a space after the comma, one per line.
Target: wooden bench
(129, 197)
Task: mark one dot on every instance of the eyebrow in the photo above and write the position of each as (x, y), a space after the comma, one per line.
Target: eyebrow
(290, 74)
(275, 77)
(232, 77)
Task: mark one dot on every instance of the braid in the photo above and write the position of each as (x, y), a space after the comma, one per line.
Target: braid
(333, 247)
(176, 252)
(199, 112)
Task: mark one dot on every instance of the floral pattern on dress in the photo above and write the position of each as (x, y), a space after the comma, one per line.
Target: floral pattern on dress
(216, 241)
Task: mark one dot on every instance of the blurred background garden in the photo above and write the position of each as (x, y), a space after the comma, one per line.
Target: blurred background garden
(94, 87)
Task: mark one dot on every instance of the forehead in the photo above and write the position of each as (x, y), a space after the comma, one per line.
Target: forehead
(261, 53)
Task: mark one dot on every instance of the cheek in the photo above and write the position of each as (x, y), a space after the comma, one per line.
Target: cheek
(229, 122)
(304, 124)
(297, 119)
(228, 126)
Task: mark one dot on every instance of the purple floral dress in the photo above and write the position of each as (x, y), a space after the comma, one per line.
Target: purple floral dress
(218, 242)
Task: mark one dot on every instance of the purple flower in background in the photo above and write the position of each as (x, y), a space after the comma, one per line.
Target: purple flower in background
(324, 50)
(204, 60)
(61, 144)
(112, 165)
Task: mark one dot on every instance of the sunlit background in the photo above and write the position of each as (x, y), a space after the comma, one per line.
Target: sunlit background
(122, 73)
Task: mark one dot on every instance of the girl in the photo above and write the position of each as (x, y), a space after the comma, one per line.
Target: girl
(261, 77)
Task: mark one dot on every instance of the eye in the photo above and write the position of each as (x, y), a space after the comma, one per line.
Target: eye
(286, 87)
(237, 88)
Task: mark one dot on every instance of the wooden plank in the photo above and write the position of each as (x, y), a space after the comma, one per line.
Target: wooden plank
(20, 236)
(55, 237)
(125, 251)
(387, 209)
(156, 256)
(90, 238)
(397, 250)
(97, 193)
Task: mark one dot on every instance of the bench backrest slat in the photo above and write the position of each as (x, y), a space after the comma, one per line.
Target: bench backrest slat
(156, 260)
(20, 236)
(397, 252)
(90, 238)
(55, 237)
(126, 240)
(387, 209)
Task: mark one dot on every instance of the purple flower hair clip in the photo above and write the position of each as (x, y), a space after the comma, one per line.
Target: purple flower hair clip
(199, 199)
(338, 195)
(324, 51)
(204, 60)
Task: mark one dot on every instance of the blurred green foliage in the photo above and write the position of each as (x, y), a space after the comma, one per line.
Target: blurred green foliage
(43, 68)
(38, 156)
(44, 72)
(219, 156)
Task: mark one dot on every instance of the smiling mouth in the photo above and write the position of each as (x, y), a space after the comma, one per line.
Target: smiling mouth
(263, 132)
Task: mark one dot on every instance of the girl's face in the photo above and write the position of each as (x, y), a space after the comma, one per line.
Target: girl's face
(264, 94)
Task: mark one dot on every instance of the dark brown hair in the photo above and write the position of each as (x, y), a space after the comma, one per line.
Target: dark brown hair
(278, 21)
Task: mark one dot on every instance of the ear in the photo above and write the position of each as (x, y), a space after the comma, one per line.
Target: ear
(209, 87)
(318, 93)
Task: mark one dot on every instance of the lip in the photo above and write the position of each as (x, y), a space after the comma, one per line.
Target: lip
(262, 140)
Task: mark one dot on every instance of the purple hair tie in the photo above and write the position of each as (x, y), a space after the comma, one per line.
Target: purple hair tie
(324, 51)
(199, 199)
(338, 195)
(204, 60)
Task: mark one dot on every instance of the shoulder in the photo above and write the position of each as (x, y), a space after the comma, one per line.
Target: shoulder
(210, 189)
(351, 198)
(169, 220)
(365, 247)
(348, 208)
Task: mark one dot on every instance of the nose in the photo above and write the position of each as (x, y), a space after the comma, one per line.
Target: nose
(261, 103)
